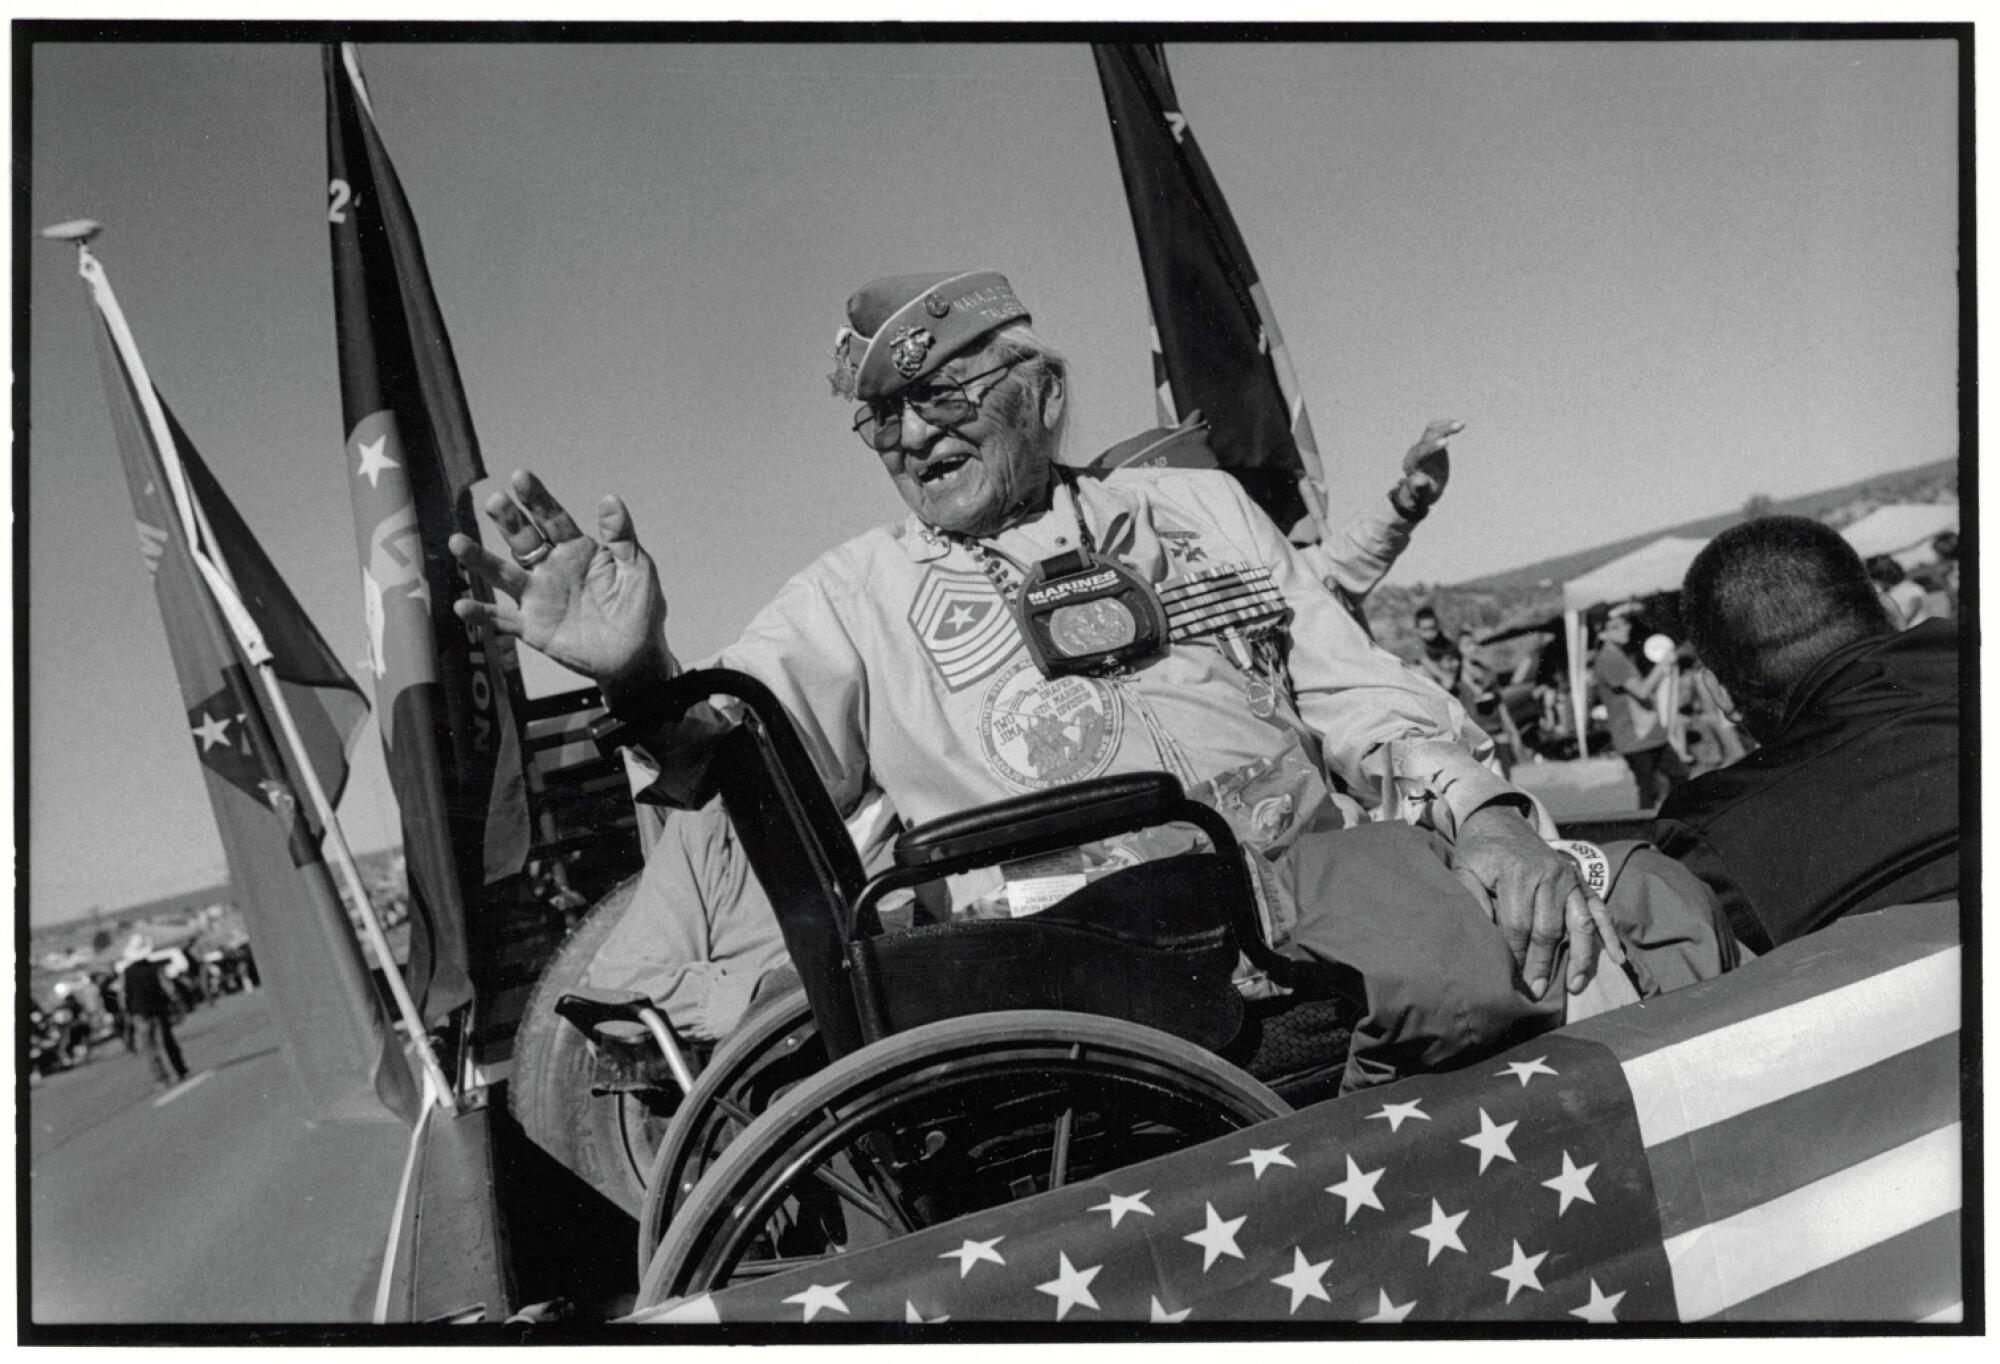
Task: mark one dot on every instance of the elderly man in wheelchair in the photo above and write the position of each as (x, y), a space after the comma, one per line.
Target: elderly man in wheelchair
(1036, 658)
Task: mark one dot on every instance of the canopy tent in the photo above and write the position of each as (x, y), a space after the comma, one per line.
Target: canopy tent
(1901, 526)
(1657, 567)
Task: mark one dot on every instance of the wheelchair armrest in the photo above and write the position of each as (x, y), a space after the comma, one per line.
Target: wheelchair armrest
(1042, 821)
(588, 1009)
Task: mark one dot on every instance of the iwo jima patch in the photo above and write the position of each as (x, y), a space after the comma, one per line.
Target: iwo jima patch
(964, 626)
(1041, 732)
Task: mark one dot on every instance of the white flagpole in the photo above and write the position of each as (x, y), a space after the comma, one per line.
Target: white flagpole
(251, 639)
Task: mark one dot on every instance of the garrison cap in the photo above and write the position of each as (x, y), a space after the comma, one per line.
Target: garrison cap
(903, 327)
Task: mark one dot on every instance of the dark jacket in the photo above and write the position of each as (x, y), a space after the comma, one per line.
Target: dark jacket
(145, 993)
(1853, 806)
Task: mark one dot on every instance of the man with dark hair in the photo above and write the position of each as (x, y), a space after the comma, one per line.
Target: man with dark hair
(1851, 804)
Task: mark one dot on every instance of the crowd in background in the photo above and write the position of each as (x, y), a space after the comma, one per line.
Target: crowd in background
(1514, 683)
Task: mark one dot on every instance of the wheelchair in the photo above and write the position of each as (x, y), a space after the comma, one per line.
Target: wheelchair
(920, 1075)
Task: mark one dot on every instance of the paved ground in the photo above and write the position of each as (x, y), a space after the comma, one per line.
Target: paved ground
(215, 1202)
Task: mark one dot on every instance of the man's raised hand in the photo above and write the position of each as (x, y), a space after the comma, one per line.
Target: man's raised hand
(593, 605)
(1427, 466)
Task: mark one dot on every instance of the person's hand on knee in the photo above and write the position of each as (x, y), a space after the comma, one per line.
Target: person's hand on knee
(1537, 898)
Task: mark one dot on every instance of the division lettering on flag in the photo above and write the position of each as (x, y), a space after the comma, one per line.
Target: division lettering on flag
(965, 627)
(1779, 1145)
(447, 693)
(343, 1051)
(1216, 343)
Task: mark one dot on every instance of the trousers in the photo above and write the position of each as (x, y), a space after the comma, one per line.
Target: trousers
(162, 1051)
(1442, 986)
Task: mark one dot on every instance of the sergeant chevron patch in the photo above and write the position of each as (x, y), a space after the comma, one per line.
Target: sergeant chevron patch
(965, 627)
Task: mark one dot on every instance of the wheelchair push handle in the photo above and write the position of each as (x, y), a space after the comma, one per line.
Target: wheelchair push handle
(589, 1009)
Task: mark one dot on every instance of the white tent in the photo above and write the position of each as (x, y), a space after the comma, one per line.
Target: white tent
(1901, 526)
(1656, 567)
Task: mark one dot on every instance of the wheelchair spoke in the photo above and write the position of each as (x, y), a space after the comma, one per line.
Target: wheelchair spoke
(859, 1198)
(1059, 1149)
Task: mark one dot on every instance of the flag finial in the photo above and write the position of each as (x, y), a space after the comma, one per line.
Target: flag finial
(78, 230)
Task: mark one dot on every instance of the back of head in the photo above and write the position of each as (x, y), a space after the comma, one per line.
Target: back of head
(1765, 601)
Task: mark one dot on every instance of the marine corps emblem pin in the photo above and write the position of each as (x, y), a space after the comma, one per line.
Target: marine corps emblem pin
(907, 349)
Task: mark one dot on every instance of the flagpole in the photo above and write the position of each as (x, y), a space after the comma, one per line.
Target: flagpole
(251, 639)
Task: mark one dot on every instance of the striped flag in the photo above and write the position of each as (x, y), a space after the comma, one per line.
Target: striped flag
(1216, 343)
(343, 1053)
(1782, 1144)
(446, 693)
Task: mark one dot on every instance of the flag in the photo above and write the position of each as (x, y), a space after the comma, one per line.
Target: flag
(446, 693)
(1216, 344)
(343, 1052)
(1781, 1144)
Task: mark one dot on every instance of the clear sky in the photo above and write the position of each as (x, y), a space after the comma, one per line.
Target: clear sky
(1653, 279)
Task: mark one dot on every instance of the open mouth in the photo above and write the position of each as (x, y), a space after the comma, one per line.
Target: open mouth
(942, 467)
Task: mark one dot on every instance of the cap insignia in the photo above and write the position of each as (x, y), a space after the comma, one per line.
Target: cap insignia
(907, 349)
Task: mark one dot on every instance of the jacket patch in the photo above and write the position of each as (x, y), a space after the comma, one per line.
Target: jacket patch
(1040, 732)
(966, 629)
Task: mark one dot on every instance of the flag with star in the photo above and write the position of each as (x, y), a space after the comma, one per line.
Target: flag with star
(446, 693)
(342, 1050)
(1781, 1144)
(1216, 344)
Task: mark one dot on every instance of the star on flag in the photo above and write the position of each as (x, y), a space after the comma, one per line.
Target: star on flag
(1120, 1204)
(972, 1253)
(1260, 1160)
(820, 1297)
(1573, 1183)
(1358, 1189)
(1218, 1238)
(1600, 1310)
(1490, 1141)
(374, 460)
(1397, 1114)
(912, 1317)
(1525, 1071)
(1520, 1272)
(1070, 1288)
(1162, 1317)
(1307, 1280)
(213, 730)
(1441, 1232)
(1388, 1313)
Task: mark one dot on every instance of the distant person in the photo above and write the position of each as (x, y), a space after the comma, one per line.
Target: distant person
(1638, 735)
(1903, 597)
(1851, 803)
(151, 1006)
(1440, 661)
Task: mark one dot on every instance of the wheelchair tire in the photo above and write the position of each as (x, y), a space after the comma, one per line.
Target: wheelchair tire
(607, 1140)
(776, 1046)
(993, 1107)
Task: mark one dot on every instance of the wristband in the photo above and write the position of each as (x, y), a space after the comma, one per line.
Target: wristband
(1417, 509)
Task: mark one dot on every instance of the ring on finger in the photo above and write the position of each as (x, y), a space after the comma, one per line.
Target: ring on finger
(535, 555)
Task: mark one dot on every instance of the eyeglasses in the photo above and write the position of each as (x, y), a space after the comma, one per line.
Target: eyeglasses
(946, 403)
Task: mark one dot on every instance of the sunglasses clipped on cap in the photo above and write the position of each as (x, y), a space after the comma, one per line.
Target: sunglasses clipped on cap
(946, 403)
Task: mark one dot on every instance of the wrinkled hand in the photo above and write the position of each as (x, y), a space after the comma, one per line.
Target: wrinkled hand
(1537, 896)
(1427, 466)
(593, 605)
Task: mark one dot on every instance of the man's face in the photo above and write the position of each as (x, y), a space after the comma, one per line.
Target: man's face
(1427, 628)
(1619, 630)
(976, 477)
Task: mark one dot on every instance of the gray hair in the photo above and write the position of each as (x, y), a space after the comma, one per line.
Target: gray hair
(1019, 341)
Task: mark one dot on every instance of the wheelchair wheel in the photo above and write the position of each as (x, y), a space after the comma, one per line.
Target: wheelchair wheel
(777, 1046)
(940, 1121)
(607, 1140)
